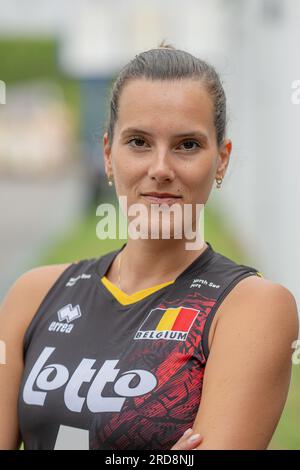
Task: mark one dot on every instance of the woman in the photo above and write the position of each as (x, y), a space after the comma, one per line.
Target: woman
(132, 349)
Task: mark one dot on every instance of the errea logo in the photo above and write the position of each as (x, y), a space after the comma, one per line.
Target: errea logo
(69, 313)
(66, 315)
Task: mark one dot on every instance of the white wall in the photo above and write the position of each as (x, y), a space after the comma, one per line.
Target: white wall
(261, 190)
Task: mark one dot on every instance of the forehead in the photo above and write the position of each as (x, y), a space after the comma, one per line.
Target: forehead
(165, 105)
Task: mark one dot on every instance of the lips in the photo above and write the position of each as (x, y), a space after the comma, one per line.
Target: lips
(161, 197)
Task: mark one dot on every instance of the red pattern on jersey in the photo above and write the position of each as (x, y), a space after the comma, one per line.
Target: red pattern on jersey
(158, 419)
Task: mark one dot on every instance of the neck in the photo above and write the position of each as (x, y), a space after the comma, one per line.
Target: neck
(150, 262)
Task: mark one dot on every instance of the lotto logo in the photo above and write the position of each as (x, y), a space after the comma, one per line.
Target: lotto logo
(45, 378)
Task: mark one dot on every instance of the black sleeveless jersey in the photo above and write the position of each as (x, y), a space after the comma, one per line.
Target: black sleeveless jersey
(102, 375)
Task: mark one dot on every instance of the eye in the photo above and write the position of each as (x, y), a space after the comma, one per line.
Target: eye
(137, 139)
(193, 142)
(139, 142)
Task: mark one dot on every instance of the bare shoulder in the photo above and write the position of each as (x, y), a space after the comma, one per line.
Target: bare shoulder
(248, 370)
(26, 294)
(255, 298)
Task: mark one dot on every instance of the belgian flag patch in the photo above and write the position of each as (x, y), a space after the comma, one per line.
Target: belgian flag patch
(170, 323)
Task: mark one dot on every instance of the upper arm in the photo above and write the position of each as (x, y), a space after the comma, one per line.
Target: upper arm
(16, 311)
(248, 370)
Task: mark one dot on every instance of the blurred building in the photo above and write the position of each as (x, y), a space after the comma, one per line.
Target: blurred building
(36, 131)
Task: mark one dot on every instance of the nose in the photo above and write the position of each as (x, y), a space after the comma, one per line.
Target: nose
(160, 168)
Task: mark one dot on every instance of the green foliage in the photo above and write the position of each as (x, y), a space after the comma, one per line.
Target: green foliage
(28, 58)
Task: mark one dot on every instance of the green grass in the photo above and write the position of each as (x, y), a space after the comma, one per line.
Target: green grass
(287, 434)
(81, 242)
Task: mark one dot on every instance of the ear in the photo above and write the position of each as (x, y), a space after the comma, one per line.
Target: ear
(224, 157)
(107, 156)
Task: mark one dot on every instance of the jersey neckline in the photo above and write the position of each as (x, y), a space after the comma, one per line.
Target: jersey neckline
(128, 299)
(104, 262)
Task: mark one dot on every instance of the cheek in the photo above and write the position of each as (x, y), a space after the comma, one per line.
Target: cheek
(123, 172)
(127, 179)
(198, 180)
(129, 171)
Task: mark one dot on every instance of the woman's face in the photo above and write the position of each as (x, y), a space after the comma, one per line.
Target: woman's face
(165, 142)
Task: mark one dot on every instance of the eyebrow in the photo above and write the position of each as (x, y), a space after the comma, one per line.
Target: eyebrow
(182, 134)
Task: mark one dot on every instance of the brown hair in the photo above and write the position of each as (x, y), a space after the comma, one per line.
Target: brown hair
(168, 63)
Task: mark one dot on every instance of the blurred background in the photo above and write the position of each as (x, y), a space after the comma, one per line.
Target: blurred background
(58, 61)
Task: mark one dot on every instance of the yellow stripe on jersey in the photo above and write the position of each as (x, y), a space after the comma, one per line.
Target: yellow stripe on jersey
(126, 299)
(260, 274)
(168, 319)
